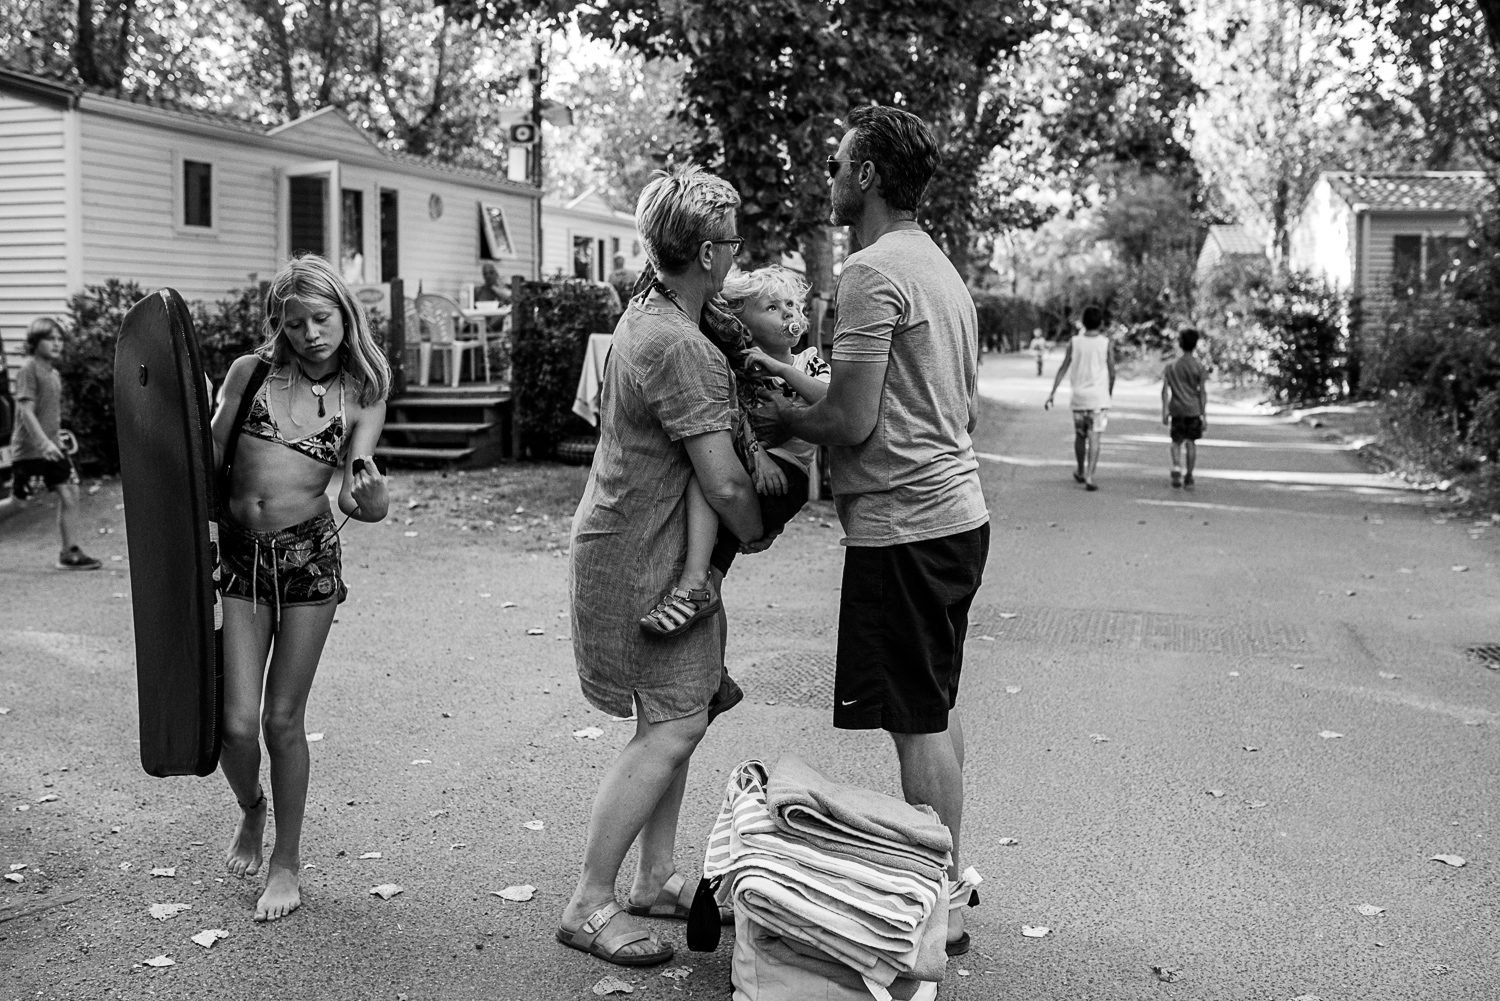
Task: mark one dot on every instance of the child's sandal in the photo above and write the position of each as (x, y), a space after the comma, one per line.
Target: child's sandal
(679, 610)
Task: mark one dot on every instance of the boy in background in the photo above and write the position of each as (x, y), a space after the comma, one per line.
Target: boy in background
(40, 462)
(1091, 358)
(1038, 348)
(1184, 406)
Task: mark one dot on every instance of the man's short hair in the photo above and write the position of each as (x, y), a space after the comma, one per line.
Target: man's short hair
(678, 210)
(42, 328)
(1187, 339)
(1093, 318)
(902, 148)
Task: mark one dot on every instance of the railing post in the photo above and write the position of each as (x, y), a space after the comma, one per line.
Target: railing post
(395, 347)
(520, 324)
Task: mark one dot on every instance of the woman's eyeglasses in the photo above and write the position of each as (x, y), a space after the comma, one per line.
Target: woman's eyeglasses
(833, 165)
(734, 245)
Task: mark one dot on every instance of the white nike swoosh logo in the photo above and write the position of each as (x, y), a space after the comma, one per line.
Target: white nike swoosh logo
(849, 703)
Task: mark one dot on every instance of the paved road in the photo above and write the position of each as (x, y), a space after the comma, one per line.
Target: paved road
(1128, 647)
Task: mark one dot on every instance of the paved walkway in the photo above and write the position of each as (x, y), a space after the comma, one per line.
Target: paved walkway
(1128, 649)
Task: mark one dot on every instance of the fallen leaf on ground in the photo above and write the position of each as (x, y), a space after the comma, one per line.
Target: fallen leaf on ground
(1012, 689)
(385, 891)
(1389, 676)
(1251, 747)
(1296, 667)
(437, 813)
(14, 877)
(313, 738)
(507, 604)
(533, 825)
(1215, 793)
(1370, 910)
(1010, 615)
(208, 936)
(1256, 804)
(169, 871)
(613, 985)
(986, 639)
(963, 973)
(1234, 674)
(51, 797)
(678, 973)
(372, 855)
(161, 961)
(1099, 738)
(458, 844)
(588, 733)
(1459, 569)
(162, 912)
(1307, 997)
(410, 535)
(536, 632)
(1456, 861)
(421, 761)
(1329, 734)
(124, 866)
(1008, 842)
(519, 894)
(23, 807)
(1034, 931)
(4, 711)
(17, 867)
(1167, 974)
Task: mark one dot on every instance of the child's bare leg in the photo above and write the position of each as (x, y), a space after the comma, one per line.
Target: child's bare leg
(67, 514)
(702, 533)
(1192, 456)
(1177, 456)
(299, 645)
(247, 640)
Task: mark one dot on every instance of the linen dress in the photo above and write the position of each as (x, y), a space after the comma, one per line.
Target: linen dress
(664, 382)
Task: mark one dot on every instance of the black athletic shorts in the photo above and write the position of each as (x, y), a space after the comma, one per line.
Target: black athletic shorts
(29, 477)
(775, 512)
(1186, 428)
(903, 618)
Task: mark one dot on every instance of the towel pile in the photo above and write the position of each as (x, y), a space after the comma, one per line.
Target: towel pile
(836, 873)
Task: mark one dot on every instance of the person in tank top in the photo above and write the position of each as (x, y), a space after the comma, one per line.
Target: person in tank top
(1091, 359)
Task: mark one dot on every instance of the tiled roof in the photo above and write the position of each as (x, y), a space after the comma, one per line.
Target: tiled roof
(1236, 240)
(1433, 191)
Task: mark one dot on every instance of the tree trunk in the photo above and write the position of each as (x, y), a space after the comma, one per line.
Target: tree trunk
(333, 17)
(83, 46)
(122, 44)
(273, 15)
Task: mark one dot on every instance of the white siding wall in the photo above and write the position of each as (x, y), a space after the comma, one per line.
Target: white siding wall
(33, 216)
(1384, 227)
(560, 225)
(1323, 240)
(129, 209)
(442, 255)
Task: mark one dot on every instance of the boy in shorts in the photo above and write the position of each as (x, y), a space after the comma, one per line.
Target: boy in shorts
(40, 462)
(1091, 359)
(1184, 406)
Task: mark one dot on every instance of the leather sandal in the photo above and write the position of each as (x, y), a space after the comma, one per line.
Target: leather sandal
(590, 938)
(679, 610)
(964, 893)
(669, 904)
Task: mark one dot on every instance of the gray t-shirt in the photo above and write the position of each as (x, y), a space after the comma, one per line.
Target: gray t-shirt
(901, 301)
(40, 383)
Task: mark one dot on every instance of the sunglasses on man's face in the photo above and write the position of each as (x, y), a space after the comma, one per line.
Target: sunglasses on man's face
(833, 165)
(734, 245)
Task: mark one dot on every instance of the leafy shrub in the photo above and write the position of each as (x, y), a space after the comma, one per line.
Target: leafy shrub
(87, 368)
(1305, 325)
(550, 327)
(1005, 322)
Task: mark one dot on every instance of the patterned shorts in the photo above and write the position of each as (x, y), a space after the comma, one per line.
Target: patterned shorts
(29, 477)
(301, 565)
(1087, 420)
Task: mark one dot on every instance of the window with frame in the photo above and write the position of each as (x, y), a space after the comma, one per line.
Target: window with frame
(1406, 266)
(197, 194)
(494, 233)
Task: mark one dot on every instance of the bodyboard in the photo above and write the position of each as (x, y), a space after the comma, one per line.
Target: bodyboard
(167, 471)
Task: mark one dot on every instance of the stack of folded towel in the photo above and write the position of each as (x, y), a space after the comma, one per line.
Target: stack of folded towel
(833, 873)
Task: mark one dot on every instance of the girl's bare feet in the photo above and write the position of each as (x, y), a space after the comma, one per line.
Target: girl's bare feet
(283, 893)
(243, 857)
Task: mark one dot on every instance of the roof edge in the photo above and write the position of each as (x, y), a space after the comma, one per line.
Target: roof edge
(41, 88)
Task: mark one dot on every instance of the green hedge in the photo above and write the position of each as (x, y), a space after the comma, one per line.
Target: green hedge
(550, 326)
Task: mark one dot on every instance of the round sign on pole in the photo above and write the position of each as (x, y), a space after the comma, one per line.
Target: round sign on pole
(523, 134)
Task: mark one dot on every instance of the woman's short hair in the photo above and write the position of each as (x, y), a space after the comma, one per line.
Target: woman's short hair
(678, 210)
(42, 328)
(902, 148)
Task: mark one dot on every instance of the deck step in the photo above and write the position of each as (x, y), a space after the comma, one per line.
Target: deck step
(472, 389)
(413, 402)
(424, 454)
(421, 427)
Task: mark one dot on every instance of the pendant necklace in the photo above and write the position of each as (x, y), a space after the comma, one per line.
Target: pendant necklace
(319, 387)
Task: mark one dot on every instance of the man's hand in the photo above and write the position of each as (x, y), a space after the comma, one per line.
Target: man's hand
(767, 420)
(768, 477)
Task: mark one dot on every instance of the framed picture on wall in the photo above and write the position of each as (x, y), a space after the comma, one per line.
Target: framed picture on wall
(494, 233)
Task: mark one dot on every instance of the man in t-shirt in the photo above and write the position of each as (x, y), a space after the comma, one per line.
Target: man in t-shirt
(40, 462)
(623, 279)
(1091, 359)
(900, 408)
(1184, 406)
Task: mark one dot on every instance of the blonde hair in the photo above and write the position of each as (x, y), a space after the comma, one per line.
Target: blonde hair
(740, 287)
(310, 276)
(678, 210)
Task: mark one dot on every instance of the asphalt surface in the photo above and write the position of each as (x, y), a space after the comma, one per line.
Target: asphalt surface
(1129, 649)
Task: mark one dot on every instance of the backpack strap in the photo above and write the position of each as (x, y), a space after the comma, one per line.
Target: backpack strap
(252, 386)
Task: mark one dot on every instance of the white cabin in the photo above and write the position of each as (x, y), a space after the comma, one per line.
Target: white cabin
(95, 186)
(581, 237)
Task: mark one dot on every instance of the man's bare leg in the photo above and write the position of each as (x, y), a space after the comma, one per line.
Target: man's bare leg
(932, 772)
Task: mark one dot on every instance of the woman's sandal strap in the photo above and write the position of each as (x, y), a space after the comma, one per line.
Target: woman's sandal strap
(587, 939)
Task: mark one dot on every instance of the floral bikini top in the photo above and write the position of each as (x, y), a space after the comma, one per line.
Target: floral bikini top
(324, 445)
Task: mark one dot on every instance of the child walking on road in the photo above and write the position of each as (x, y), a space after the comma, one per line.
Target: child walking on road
(40, 461)
(768, 301)
(1184, 406)
(1091, 358)
(307, 406)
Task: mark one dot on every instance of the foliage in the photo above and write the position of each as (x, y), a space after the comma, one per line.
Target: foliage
(1305, 325)
(1005, 322)
(226, 330)
(550, 325)
(87, 368)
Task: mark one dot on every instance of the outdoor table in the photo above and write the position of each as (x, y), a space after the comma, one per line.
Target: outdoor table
(591, 379)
